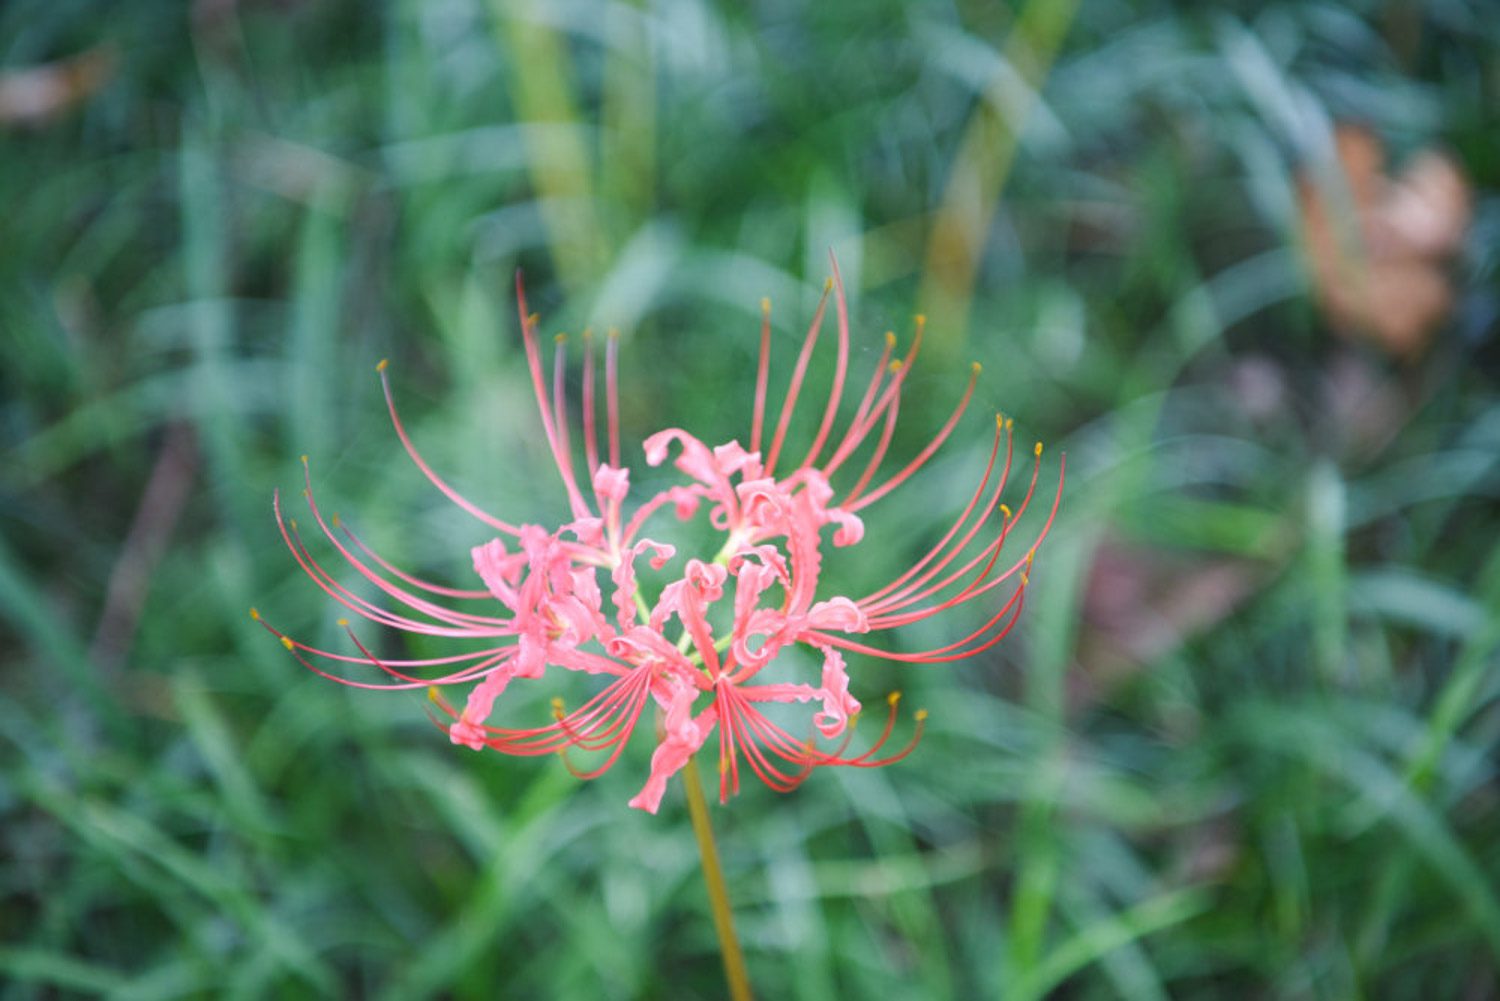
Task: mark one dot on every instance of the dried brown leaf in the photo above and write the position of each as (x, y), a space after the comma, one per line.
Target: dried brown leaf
(1378, 247)
(37, 95)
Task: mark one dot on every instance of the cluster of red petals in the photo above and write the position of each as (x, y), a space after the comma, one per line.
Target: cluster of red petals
(569, 597)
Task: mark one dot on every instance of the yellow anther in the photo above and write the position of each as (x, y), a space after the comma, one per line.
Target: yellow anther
(614, 333)
(977, 367)
(1038, 450)
(432, 693)
(557, 708)
(893, 698)
(921, 714)
(254, 615)
(531, 320)
(890, 339)
(336, 523)
(999, 422)
(382, 365)
(344, 623)
(286, 641)
(588, 335)
(897, 365)
(827, 284)
(1005, 510)
(1007, 423)
(293, 523)
(921, 319)
(723, 765)
(307, 493)
(765, 304)
(559, 338)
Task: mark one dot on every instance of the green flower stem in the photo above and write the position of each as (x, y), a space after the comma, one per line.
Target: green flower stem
(718, 895)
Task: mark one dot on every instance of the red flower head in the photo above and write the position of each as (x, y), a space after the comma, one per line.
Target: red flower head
(568, 597)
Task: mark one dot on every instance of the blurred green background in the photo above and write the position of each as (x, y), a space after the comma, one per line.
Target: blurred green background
(1238, 260)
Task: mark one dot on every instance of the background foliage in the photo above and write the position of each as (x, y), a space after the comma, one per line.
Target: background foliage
(1244, 744)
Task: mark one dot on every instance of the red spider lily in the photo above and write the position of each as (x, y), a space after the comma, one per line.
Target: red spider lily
(551, 584)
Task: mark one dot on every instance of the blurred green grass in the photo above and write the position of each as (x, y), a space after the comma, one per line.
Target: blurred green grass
(1243, 744)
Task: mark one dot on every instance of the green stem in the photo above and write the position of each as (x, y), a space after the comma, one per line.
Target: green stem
(718, 895)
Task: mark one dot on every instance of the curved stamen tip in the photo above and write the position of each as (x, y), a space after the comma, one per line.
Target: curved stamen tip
(383, 363)
(286, 641)
(614, 333)
(977, 367)
(1005, 510)
(304, 460)
(1007, 423)
(999, 422)
(765, 304)
(587, 335)
(559, 338)
(254, 614)
(893, 698)
(336, 522)
(532, 320)
(558, 712)
(890, 338)
(344, 623)
(434, 695)
(921, 319)
(828, 284)
(920, 715)
(1039, 449)
(724, 765)
(897, 365)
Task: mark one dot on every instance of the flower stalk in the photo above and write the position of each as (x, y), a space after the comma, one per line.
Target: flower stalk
(735, 972)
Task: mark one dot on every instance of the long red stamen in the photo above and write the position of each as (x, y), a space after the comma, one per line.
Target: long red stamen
(437, 481)
(612, 395)
(555, 430)
(853, 434)
(890, 406)
(590, 441)
(447, 592)
(924, 455)
(897, 587)
(762, 375)
(353, 602)
(795, 388)
(836, 391)
(413, 601)
(983, 582)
